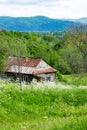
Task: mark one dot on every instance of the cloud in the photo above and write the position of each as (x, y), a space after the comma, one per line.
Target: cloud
(18, 2)
(50, 8)
(27, 2)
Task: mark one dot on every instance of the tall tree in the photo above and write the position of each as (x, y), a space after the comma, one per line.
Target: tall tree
(78, 41)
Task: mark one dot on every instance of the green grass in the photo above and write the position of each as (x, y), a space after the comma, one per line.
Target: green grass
(76, 79)
(42, 108)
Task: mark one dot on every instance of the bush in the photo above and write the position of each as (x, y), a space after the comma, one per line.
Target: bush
(59, 77)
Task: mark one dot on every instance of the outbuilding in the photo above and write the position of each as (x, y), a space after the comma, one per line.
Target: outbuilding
(29, 69)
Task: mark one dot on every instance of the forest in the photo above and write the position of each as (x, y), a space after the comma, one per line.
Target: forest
(66, 51)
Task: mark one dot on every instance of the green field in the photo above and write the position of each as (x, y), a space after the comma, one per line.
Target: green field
(46, 107)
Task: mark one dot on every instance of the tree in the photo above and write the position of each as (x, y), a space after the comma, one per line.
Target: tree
(77, 39)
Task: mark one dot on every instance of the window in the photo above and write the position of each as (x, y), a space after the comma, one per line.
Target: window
(48, 78)
(25, 78)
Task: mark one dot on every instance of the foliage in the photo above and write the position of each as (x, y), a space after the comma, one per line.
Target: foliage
(3, 52)
(76, 79)
(65, 51)
(60, 78)
(78, 40)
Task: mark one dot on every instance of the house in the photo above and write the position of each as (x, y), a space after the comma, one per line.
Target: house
(29, 69)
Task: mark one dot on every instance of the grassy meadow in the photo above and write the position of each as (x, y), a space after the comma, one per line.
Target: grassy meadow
(43, 106)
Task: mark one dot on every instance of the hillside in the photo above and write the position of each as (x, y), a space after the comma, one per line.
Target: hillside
(37, 23)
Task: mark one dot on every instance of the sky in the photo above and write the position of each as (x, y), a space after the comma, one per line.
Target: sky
(68, 9)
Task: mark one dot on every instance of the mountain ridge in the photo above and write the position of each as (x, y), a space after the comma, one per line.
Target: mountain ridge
(36, 23)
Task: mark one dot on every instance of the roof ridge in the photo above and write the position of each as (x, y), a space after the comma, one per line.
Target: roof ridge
(24, 57)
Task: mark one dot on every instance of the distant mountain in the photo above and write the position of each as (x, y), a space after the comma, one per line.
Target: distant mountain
(36, 23)
(83, 20)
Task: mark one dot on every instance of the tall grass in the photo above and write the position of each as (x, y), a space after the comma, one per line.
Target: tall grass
(44, 108)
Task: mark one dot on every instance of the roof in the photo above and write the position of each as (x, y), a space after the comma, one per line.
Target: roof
(24, 61)
(27, 66)
(44, 70)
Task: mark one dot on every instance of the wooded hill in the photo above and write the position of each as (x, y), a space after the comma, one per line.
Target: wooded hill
(36, 23)
(66, 51)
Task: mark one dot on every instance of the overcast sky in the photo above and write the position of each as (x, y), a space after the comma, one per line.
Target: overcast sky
(50, 8)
